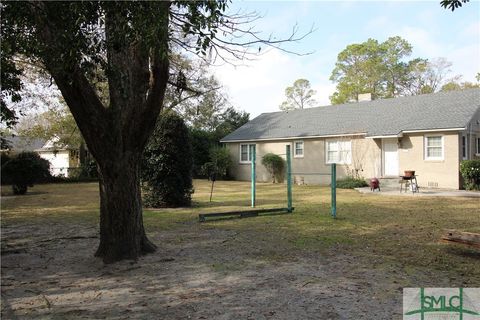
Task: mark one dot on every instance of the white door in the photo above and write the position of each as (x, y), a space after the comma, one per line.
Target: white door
(390, 157)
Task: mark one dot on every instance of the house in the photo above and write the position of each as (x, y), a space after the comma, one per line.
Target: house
(63, 160)
(428, 133)
(17, 144)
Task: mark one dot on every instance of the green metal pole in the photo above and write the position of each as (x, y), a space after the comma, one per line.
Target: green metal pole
(334, 190)
(289, 180)
(254, 189)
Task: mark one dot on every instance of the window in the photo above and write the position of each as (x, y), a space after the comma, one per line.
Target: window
(478, 145)
(464, 147)
(245, 153)
(339, 152)
(298, 149)
(434, 148)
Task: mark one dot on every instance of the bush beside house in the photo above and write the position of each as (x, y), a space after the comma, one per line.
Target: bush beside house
(351, 183)
(274, 165)
(470, 170)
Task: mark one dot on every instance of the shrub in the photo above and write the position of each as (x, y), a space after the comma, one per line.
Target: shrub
(167, 164)
(274, 165)
(218, 165)
(24, 170)
(88, 169)
(351, 183)
(470, 170)
(4, 158)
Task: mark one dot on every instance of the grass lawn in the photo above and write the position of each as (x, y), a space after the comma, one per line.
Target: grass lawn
(303, 265)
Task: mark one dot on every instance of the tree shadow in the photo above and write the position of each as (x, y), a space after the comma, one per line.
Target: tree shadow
(10, 194)
(458, 250)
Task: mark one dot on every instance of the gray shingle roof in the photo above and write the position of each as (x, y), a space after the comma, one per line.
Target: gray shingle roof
(21, 144)
(442, 110)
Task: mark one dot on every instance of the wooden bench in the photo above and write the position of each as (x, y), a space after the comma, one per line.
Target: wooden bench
(460, 237)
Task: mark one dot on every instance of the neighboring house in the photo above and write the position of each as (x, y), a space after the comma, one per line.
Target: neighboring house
(63, 161)
(429, 133)
(18, 144)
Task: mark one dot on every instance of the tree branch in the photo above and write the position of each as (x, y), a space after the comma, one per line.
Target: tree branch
(83, 101)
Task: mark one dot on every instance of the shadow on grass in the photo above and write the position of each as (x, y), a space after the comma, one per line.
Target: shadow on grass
(10, 193)
(458, 250)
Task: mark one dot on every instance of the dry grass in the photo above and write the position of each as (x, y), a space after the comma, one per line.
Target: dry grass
(396, 231)
(377, 242)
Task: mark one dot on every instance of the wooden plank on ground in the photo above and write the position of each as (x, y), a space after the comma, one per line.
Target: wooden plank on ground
(466, 238)
(242, 214)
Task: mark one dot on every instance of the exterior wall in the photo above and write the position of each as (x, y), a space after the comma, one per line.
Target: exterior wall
(431, 173)
(59, 161)
(365, 160)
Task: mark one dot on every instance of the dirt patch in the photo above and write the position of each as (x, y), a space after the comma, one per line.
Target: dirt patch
(198, 273)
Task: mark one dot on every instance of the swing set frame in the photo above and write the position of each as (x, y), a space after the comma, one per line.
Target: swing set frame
(289, 209)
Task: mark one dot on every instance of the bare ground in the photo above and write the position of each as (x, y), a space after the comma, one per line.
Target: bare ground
(201, 271)
(211, 274)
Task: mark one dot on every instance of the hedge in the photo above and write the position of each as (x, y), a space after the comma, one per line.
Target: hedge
(470, 170)
(351, 183)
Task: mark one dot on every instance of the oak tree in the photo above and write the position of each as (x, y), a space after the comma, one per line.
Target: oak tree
(128, 46)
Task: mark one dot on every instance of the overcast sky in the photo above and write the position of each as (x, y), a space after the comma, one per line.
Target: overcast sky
(433, 32)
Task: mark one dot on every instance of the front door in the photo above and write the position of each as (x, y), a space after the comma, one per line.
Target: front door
(390, 157)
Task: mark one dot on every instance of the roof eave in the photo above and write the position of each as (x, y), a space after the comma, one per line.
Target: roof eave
(295, 138)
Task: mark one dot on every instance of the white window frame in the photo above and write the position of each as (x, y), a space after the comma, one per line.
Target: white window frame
(425, 147)
(338, 160)
(248, 152)
(295, 155)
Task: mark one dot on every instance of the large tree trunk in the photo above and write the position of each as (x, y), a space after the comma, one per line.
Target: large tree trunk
(116, 133)
(122, 235)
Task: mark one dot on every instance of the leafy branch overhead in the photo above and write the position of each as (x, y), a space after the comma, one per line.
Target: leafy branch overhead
(453, 4)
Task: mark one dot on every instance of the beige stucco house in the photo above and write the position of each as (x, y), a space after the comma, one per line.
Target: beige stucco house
(430, 134)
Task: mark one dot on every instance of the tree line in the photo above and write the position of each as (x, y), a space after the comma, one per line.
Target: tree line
(382, 69)
(197, 114)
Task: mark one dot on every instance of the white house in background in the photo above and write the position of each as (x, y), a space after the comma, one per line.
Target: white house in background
(62, 160)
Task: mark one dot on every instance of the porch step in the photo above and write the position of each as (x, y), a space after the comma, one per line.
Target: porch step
(389, 182)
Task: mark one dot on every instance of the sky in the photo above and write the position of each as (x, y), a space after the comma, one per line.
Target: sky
(258, 86)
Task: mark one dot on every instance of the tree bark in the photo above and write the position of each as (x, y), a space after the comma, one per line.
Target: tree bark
(115, 134)
(122, 234)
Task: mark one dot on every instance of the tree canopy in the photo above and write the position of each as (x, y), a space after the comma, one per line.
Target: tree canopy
(299, 95)
(383, 70)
